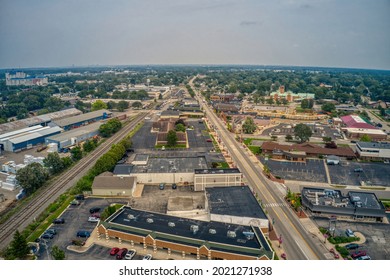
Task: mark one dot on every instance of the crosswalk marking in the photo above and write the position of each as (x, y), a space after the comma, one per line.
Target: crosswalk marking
(275, 205)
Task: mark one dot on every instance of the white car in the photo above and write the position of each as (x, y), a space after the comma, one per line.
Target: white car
(93, 219)
(130, 254)
(147, 257)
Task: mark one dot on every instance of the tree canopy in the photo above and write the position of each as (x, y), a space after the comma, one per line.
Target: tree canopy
(328, 107)
(32, 177)
(98, 105)
(249, 126)
(302, 132)
(171, 138)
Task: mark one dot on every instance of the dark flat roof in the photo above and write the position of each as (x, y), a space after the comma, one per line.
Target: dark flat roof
(376, 145)
(123, 169)
(217, 171)
(180, 230)
(234, 201)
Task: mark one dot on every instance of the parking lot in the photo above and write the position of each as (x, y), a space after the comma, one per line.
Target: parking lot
(377, 236)
(313, 170)
(76, 218)
(319, 130)
(144, 139)
(197, 138)
(375, 174)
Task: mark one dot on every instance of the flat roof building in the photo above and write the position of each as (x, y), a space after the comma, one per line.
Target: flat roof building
(236, 205)
(205, 240)
(351, 205)
(74, 136)
(205, 178)
(26, 138)
(84, 119)
(373, 150)
(357, 133)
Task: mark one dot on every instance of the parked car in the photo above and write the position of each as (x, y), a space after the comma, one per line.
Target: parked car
(162, 185)
(352, 246)
(174, 186)
(79, 197)
(51, 231)
(114, 251)
(75, 202)
(93, 219)
(47, 235)
(209, 140)
(147, 257)
(366, 257)
(357, 254)
(121, 254)
(83, 233)
(349, 233)
(96, 215)
(78, 242)
(94, 210)
(358, 170)
(130, 254)
(59, 221)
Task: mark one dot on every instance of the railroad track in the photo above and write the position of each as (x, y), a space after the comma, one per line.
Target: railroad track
(34, 207)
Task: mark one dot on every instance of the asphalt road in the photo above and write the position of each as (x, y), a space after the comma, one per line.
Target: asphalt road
(296, 242)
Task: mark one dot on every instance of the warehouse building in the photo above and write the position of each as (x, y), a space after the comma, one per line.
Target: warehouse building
(351, 205)
(84, 119)
(108, 185)
(205, 240)
(43, 120)
(74, 136)
(26, 138)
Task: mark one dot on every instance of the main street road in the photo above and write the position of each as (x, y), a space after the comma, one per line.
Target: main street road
(297, 243)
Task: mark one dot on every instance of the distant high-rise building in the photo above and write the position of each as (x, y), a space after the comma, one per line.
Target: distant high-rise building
(18, 78)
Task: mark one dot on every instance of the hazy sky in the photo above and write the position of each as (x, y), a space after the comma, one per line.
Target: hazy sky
(339, 33)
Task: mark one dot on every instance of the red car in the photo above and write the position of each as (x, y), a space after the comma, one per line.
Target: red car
(358, 254)
(121, 254)
(96, 215)
(114, 251)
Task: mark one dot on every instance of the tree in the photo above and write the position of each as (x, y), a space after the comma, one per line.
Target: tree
(54, 163)
(288, 137)
(302, 132)
(54, 104)
(136, 104)
(89, 145)
(18, 248)
(98, 105)
(365, 138)
(171, 138)
(57, 253)
(305, 104)
(76, 153)
(122, 106)
(326, 139)
(328, 107)
(180, 127)
(249, 126)
(66, 161)
(109, 128)
(32, 177)
(274, 137)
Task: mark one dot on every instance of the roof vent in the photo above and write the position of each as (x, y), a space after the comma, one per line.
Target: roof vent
(131, 216)
(212, 231)
(231, 234)
(149, 220)
(194, 228)
(248, 234)
(171, 224)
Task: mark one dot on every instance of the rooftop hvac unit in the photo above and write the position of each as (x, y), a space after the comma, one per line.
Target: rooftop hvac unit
(231, 234)
(212, 231)
(171, 224)
(248, 234)
(194, 228)
(149, 220)
(131, 216)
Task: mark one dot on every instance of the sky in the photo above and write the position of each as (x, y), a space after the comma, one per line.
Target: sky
(61, 33)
